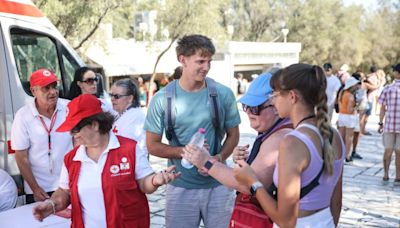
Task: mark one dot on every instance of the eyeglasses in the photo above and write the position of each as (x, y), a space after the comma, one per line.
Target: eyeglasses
(255, 110)
(91, 81)
(78, 128)
(117, 96)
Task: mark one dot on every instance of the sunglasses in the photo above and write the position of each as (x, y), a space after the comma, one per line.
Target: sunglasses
(78, 127)
(117, 96)
(255, 110)
(90, 81)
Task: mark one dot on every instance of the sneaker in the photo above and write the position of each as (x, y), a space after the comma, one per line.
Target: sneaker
(356, 155)
(367, 133)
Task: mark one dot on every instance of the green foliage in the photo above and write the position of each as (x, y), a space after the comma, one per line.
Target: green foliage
(78, 20)
(328, 30)
(257, 20)
(191, 16)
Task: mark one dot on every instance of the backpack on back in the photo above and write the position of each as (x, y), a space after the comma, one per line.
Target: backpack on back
(169, 118)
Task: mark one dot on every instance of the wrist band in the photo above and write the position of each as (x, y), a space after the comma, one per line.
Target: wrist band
(53, 205)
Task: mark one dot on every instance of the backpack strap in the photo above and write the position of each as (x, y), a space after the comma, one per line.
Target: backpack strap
(169, 116)
(214, 103)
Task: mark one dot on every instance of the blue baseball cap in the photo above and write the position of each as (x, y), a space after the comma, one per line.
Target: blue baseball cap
(259, 91)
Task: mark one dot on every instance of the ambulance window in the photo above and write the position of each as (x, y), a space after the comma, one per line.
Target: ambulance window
(33, 51)
(70, 65)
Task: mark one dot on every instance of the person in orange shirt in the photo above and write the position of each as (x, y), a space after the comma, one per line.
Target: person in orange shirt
(347, 119)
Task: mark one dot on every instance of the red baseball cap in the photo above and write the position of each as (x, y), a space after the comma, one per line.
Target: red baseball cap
(42, 77)
(79, 108)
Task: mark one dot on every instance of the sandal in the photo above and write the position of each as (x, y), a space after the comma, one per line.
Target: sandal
(396, 180)
(386, 179)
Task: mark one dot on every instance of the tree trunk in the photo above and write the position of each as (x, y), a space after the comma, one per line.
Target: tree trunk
(150, 94)
(96, 26)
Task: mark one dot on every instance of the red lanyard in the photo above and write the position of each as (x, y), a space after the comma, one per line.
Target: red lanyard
(53, 120)
(48, 130)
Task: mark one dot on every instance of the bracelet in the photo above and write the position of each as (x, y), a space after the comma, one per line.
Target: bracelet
(53, 205)
(152, 181)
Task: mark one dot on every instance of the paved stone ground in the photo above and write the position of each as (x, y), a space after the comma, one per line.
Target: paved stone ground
(367, 200)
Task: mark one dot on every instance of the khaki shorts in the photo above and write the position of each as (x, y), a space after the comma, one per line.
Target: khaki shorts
(391, 140)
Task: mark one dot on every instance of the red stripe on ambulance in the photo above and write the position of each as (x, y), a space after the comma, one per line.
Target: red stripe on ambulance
(19, 9)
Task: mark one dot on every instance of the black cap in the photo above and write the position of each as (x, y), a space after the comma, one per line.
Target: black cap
(396, 67)
(327, 66)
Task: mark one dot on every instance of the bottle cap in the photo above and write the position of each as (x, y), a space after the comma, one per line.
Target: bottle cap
(202, 130)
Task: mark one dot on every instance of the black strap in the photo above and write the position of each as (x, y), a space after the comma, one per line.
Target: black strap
(169, 118)
(213, 97)
(260, 138)
(273, 190)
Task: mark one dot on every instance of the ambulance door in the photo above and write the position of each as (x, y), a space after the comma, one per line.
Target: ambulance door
(5, 104)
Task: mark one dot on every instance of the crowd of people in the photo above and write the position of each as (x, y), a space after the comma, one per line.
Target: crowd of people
(92, 152)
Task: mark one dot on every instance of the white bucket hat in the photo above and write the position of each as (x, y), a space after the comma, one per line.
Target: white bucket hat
(350, 82)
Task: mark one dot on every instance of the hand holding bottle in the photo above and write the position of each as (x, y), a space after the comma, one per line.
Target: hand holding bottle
(197, 140)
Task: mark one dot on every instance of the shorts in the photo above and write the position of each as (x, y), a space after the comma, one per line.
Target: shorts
(369, 110)
(321, 219)
(391, 140)
(186, 207)
(348, 120)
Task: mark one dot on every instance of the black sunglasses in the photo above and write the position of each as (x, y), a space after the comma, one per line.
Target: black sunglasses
(117, 96)
(255, 110)
(91, 80)
(78, 127)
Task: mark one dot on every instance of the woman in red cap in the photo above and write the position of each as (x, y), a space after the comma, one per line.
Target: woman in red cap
(105, 178)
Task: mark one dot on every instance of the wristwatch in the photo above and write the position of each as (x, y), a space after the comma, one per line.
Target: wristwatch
(254, 187)
(209, 164)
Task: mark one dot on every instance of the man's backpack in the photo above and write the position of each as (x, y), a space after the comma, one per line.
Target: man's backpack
(169, 117)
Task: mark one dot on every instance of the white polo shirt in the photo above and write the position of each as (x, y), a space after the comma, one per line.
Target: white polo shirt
(90, 185)
(28, 132)
(130, 125)
(8, 191)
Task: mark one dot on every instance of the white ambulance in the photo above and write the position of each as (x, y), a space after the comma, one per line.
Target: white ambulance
(28, 41)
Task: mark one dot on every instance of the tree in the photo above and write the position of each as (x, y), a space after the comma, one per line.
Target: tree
(78, 20)
(257, 20)
(186, 17)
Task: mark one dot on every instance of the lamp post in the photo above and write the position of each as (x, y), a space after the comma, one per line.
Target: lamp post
(230, 29)
(285, 32)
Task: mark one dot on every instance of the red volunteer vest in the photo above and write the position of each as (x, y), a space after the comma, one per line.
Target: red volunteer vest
(126, 205)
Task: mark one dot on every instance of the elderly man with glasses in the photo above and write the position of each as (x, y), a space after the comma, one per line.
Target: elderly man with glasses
(39, 149)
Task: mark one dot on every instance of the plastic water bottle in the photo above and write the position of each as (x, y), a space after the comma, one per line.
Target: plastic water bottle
(197, 140)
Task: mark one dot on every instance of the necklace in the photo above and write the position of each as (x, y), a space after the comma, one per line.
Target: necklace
(304, 119)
